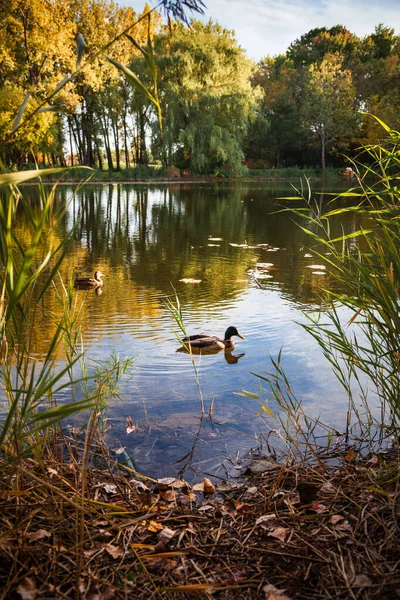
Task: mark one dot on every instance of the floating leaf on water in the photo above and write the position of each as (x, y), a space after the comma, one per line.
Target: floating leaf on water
(317, 267)
(130, 427)
(119, 450)
(190, 280)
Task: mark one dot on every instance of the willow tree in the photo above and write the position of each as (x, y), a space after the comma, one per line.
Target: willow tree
(328, 103)
(207, 95)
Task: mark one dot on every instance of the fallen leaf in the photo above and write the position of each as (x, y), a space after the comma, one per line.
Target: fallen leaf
(90, 551)
(114, 551)
(119, 450)
(198, 487)
(336, 519)
(266, 518)
(273, 593)
(167, 534)
(318, 507)
(209, 487)
(168, 496)
(350, 456)
(130, 427)
(27, 588)
(109, 488)
(38, 535)
(280, 533)
(362, 581)
(189, 280)
(166, 480)
(155, 527)
(328, 488)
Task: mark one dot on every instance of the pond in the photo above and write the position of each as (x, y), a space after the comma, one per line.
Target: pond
(146, 239)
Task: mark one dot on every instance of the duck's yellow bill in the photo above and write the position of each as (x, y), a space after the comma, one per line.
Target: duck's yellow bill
(241, 336)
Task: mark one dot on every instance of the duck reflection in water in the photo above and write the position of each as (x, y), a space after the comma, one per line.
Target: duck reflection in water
(211, 344)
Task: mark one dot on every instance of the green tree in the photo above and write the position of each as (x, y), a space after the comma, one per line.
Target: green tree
(207, 96)
(329, 103)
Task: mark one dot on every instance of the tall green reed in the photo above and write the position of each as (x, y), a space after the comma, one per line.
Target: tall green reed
(27, 270)
(363, 351)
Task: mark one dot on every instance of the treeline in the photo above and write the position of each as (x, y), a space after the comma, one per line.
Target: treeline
(221, 112)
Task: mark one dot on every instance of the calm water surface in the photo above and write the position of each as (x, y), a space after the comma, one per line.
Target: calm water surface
(145, 238)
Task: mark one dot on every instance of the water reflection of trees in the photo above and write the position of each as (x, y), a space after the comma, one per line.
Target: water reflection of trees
(146, 237)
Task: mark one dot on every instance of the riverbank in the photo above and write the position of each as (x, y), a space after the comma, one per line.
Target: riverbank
(280, 531)
(173, 175)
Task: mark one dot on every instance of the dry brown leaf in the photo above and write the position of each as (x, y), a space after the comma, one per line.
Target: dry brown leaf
(336, 519)
(168, 496)
(167, 534)
(318, 507)
(27, 588)
(198, 487)
(273, 593)
(279, 533)
(209, 487)
(266, 518)
(155, 527)
(38, 535)
(51, 472)
(114, 551)
(328, 488)
(90, 551)
(362, 581)
(167, 480)
(109, 488)
(350, 456)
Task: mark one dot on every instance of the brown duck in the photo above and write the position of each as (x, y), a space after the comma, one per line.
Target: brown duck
(212, 342)
(90, 282)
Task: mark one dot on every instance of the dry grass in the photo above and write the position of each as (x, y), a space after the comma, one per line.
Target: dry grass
(304, 532)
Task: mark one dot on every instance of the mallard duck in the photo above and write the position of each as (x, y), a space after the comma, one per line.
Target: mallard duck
(92, 282)
(212, 342)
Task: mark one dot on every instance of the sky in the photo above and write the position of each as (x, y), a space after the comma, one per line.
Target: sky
(269, 26)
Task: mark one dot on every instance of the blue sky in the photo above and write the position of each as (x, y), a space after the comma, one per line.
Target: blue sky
(268, 26)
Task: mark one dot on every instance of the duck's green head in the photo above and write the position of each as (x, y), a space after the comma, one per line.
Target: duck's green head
(232, 331)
